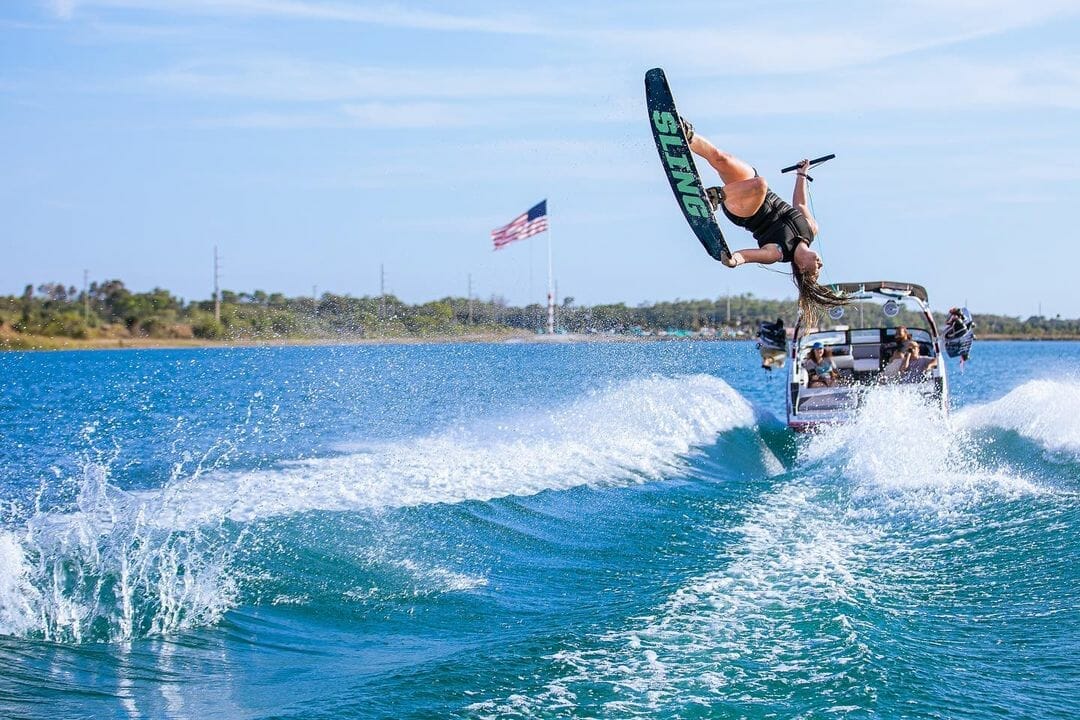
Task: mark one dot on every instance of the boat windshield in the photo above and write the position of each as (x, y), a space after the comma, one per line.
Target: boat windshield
(880, 312)
(868, 328)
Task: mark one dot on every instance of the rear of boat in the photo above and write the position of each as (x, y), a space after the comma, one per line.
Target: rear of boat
(860, 342)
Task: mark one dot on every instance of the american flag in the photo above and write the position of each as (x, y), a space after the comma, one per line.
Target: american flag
(525, 225)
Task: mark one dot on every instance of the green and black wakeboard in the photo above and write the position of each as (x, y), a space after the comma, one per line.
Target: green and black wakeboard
(679, 165)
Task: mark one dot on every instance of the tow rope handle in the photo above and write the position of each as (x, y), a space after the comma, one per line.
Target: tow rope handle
(815, 161)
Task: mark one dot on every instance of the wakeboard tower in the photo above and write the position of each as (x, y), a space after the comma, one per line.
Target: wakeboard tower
(861, 348)
(679, 166)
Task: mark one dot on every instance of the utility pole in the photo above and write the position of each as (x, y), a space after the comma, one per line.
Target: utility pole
(382, 292)
(217, 290)
(470, 300)
(554, 299)
(85, 295)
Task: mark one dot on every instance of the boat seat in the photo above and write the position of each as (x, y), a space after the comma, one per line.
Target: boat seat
(831, 398)
(866, 357)
(841, 357)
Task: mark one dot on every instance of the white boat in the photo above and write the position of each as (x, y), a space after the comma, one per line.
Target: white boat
(862, 344)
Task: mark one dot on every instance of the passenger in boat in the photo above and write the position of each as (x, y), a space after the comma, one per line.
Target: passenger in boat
(783, 232)
(820, 370)
(915, 364)
(896, 350)
(895, 347)
(892, 368)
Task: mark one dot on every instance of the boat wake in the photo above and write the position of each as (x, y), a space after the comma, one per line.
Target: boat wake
(878, 521)
(131, 564)
(1043, 411)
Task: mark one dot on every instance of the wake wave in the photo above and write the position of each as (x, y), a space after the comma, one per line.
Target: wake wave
(900, 444)
(796, 571)
(640, 431)
(1044, 411)
(143, 563)
(829, 554)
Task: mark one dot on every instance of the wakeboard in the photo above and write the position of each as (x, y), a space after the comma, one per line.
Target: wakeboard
(679, 166)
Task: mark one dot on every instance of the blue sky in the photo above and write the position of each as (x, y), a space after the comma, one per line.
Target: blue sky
(313, 141)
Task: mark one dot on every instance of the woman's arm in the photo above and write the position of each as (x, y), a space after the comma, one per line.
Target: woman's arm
(799, 199)
(765, 256)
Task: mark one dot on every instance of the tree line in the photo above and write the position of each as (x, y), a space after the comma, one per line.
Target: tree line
(110, 309)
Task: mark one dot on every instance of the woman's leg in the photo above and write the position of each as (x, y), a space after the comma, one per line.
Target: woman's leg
(743, 190)
(730, 168)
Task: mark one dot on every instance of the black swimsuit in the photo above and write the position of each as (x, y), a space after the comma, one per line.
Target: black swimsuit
(776, 223)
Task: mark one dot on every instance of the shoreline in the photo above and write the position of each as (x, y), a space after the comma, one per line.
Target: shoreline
(42, 343)
(35, 343)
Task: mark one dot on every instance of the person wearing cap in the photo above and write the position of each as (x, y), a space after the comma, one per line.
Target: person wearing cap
(819, 367)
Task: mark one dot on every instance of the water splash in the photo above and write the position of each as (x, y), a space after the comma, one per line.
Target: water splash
(132, 564)
(869, 525)
(901, 447)
(107, 572)
(797, 569)
(642, 430)
(1044, 411)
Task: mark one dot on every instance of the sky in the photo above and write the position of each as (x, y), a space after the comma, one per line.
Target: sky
(329, 146)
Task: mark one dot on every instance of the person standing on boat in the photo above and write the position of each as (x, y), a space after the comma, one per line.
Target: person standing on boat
(894, 348)
(783, 231)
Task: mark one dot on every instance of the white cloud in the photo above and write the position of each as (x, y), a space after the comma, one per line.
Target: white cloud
(499, 97)
(386, 14)
(413, 115)
(820, 59)
(371, 115)
(273, 121)
(290, 80)
(817, 38)
(63, 9)
(135, 33)
(949, 83)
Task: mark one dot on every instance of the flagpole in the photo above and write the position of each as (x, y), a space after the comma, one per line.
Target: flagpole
(551, 286)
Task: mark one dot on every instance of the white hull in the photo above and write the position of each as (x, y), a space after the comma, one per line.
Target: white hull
(861, 354)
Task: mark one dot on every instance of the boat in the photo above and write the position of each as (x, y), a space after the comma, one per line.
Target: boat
(861, 345)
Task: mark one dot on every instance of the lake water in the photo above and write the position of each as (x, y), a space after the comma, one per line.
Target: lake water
(531, 530)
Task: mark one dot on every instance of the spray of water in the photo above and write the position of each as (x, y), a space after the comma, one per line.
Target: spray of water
(131, 564)
(842, 538)
(1043, 411)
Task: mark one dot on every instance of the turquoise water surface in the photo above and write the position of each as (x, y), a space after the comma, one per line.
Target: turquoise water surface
(531, 530)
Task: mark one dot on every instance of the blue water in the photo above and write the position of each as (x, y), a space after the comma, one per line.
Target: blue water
(528, 530)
